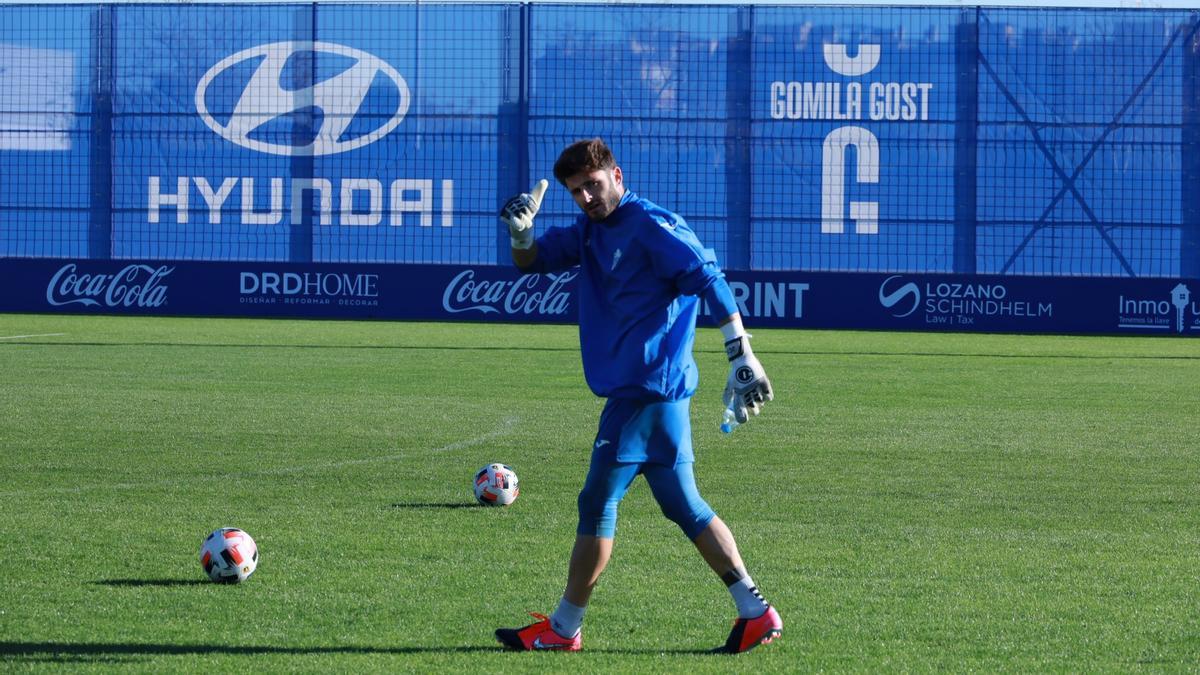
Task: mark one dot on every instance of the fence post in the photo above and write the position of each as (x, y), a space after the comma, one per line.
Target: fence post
(100, 194)
(300, 243)
(512, 119)
(738, 172)
(966, 139)
(1189, 186)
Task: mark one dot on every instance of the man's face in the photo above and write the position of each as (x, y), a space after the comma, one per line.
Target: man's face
(597, 192)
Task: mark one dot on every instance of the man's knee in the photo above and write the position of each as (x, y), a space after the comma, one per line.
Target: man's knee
(691, 515)
(597, 514)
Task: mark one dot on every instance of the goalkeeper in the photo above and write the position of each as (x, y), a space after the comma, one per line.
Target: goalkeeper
(642, 275)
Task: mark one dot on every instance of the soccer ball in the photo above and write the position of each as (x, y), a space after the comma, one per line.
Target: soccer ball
(228, 555)
(496, 485)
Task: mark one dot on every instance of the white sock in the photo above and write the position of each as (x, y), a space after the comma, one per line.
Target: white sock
(567, 619)
(750, 603)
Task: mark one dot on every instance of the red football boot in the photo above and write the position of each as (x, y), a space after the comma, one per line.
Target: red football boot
(538, 636)
(750, 633)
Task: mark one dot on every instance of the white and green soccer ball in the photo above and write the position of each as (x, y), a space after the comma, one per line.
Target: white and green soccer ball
(228, 555)
(496, 485)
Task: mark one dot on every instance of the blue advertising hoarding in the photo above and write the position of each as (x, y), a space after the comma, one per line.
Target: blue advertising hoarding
(868, 301)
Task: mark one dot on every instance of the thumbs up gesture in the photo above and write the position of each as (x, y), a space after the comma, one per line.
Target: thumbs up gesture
(518, 214)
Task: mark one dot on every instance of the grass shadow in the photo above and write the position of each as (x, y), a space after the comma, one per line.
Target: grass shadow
(74, 651)
(436, 505)
(110, 651)
(152, 582)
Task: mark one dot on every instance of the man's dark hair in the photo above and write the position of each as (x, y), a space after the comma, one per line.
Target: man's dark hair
(583, 157)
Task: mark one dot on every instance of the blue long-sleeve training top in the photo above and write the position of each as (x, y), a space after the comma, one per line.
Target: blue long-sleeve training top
(641, 272)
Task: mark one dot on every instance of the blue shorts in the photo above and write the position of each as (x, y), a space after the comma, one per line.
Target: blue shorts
(653, 438)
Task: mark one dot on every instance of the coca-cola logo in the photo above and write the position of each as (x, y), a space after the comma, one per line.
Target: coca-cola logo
(134, 286)
(526, 295)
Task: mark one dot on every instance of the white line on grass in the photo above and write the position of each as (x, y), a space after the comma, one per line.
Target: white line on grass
(17, 337)
(457, 445)
(499, 431)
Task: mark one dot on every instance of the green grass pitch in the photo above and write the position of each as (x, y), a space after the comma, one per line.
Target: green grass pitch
(910, 502)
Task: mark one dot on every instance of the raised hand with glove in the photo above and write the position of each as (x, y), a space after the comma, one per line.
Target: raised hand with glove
(518, 214)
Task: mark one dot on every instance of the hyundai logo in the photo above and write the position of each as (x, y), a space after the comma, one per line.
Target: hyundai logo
(890, 300)
(285, 89)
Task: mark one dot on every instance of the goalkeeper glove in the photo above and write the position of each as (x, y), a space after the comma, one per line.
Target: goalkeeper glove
(518, 214)
(748, 387)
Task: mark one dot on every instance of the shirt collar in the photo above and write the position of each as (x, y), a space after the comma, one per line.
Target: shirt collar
(611, 221)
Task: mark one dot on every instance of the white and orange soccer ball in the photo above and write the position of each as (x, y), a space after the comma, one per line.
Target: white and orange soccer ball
(228, 555)
(496, 485)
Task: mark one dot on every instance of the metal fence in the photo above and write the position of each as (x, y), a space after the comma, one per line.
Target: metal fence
(975, 140)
